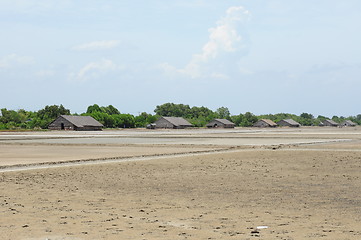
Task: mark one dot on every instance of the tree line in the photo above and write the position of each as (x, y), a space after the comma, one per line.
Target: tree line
(111, 117)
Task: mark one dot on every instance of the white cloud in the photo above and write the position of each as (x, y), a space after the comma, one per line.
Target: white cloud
(13, 60)
(97, 45)
(223, 39)
(94, 70)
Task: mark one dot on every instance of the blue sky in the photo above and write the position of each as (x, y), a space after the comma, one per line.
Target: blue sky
(248, 55)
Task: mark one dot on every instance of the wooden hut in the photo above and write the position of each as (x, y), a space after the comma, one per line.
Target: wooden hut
(220, 123)
(288, 123)
(329, 123)
(172, 122)
(348, 123)
(77, 123)
(265, 123)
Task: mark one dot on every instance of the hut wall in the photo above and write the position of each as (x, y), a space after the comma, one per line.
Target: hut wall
(262, 124)
(88, 128)
(348, 124)
(214, 124)
(162, 123)
(59, 122)
(218, 124)
(328, 124)
(286, 124)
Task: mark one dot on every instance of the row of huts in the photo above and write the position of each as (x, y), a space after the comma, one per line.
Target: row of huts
(179, 122)
(293, 123)
(87, 123)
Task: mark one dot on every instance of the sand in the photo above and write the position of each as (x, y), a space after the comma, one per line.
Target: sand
(288, 190)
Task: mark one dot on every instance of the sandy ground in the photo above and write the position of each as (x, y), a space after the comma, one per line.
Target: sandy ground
(288, 190)
(14, 154)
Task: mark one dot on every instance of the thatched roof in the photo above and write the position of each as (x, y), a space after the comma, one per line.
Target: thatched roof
(223, 121)
(269, 122)
(330, 122)
(349, 123)
(290, 122)
(82, 121)
(178, 121)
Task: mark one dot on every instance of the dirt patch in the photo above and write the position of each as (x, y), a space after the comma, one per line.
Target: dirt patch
(16, 154)
(271, 192)
(297, 194)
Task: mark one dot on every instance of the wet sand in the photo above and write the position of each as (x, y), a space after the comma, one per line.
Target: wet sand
(307, 191)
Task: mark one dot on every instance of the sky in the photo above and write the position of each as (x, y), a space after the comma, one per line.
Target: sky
(261, 56)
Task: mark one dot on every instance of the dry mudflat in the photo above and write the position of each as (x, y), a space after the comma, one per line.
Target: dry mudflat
(196, 184)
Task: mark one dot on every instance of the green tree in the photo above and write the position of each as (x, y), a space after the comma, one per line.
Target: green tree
(338, 119)
(306, 115)
(199, 122)
(103, 118)
(237, 119)
(249, 119)
(111, 110)
(52, 112)
(321, 118)
(93, 108)
(196, 112)
(124, 120)
(8, 116)
(223, 112)
(244, 120)
(172, 110)
(307, 119)
(143, 119)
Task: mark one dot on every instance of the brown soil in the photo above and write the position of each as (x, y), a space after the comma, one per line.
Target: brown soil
(298, 192)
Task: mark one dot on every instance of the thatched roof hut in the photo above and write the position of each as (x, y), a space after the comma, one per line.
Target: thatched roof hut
(172, 122)
(77, 123)
(348, 123)
(265, 123)
(329, 123)
(220, 123)
(288, 123)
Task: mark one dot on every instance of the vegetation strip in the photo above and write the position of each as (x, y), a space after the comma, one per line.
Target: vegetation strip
(111, 117)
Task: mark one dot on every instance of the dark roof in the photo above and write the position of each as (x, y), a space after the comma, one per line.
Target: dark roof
(82, 121)
(291, 122)
(269, 122)
(349, 122)
(330, 121)
(223, 121)
(178, 121)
